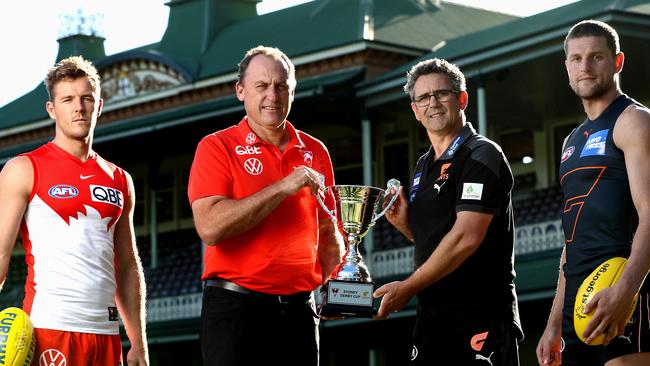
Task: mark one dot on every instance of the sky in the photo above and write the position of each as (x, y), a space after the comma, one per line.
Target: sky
(29, 30)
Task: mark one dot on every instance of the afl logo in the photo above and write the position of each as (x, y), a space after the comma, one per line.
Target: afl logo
(253, 166)
(63, 191)
(567, 153)
(250, 138)
(52, 357)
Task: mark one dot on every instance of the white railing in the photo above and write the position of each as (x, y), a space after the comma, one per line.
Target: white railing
(531, 238)
(392, 262)
(538, 237)
(174, 307)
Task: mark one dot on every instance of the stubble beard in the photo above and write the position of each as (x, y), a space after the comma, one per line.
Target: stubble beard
(593, 93)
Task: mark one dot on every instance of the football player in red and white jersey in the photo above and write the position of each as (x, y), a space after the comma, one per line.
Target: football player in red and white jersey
(75, 213)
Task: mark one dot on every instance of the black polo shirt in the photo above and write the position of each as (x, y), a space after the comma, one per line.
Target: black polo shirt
(472, 175)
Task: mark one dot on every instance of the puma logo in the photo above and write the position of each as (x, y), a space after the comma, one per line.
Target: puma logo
(627, 338)
(488, 358)
(437, 187)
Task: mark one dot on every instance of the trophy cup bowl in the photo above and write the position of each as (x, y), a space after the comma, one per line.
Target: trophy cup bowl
(356, 209)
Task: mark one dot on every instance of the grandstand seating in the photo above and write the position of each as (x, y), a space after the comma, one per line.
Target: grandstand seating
(179, 264)
(538, 229)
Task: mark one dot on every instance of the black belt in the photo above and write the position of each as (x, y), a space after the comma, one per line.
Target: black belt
(282, 299)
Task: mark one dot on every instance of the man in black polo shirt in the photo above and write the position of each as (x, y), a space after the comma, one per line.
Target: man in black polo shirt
(459, 215)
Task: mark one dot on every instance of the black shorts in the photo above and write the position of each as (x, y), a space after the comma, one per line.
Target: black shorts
(243, 330)
(460, 339)
(635, 338)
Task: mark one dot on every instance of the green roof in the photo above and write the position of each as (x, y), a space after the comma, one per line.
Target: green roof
(201, 47)
(520, 33)
(322, 25)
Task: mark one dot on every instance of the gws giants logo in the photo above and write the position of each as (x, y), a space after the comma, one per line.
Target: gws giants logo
(478, 340)
(250, 138)
(567, 153)
(253, 166)
(63, 191)
(443, 172)
(52, 357)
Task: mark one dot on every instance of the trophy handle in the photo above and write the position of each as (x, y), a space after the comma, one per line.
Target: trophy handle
(392, 183)
(331, 213)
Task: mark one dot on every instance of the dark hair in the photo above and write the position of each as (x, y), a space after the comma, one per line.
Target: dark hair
(594, 28)
(272, 52)
(71, 68)
(437, 66)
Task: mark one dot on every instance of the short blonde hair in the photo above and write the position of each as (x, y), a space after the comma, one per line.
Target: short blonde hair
(71, 68)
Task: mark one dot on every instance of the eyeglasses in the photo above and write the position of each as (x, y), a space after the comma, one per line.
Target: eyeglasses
(442, 95)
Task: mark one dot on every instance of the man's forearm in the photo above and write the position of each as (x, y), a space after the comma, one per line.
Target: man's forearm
(131, 294)
(228, 217)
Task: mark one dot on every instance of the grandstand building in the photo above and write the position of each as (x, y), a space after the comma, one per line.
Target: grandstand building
(351, 58)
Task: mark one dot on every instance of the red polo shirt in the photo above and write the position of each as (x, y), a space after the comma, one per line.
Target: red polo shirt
(278, 256)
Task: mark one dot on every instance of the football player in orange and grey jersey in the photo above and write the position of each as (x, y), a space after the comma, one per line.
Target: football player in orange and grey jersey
(605, 178)
(75, 213)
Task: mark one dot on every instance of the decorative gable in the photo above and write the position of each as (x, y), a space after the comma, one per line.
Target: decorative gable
(135, 77)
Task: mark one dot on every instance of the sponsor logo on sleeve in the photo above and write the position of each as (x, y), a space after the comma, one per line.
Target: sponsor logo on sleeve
(108, 195)
(416, 185)
(595, 145)
(472, 191)
(567, 153)
(63, 191)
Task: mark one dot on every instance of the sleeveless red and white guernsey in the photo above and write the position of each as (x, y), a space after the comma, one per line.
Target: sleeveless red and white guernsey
(67, 232)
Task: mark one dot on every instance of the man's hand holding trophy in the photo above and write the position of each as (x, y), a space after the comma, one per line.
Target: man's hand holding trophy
(356, 209)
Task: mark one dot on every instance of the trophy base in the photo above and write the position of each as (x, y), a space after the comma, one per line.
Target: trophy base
(348, 298)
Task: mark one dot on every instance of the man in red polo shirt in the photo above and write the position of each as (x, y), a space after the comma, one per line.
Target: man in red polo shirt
(270, 245)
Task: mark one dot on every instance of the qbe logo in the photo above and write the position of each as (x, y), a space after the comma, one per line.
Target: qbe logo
(247, 150)
(106, 195)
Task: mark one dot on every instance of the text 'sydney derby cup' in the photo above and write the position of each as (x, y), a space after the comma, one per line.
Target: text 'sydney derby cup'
(356, 209)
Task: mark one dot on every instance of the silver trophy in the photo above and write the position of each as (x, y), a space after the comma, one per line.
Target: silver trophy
(356, 209)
